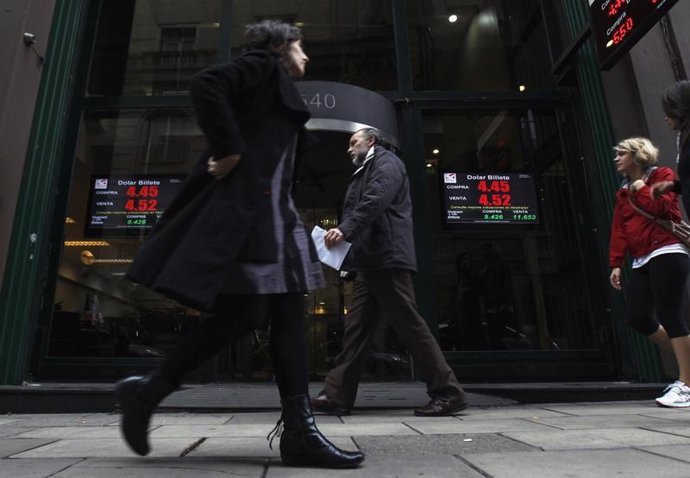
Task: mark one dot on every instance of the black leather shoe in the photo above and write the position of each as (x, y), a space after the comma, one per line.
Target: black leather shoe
(438, 407)
(323, 404)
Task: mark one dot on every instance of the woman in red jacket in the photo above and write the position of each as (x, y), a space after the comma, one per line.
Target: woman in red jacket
(660, 263)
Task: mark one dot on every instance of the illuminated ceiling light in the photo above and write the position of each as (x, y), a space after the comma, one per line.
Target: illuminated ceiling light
(86, 243)
(299, 24)
(453, 18)
(428, 165)
(522, 87)
(69, 220)
(435, 151)
(609, 44)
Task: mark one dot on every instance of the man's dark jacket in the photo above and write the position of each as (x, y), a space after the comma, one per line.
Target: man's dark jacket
(377, 215)
(251, 107)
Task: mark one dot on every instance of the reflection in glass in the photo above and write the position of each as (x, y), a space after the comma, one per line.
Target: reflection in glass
(350, 42)
(508, 286)
(478, 45)
(152, 47)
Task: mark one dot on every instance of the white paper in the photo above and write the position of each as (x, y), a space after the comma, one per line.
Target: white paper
(332, 257)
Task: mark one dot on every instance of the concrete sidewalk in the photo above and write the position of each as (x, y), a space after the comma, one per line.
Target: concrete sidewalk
(604, 439)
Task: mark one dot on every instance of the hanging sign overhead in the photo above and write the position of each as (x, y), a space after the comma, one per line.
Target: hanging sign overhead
(618, 24)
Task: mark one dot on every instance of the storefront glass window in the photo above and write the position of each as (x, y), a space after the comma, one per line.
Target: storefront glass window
(506, 261)
(127, 167)
(484, 45)
(350, 42)
(152, 47)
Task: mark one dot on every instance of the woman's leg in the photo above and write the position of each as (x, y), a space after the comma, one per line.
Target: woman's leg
(301, 443)
(288, 344)
(660, 337)
(668, 274)
(139, 396)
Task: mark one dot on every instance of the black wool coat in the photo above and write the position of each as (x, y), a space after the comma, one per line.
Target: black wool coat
(248, 106)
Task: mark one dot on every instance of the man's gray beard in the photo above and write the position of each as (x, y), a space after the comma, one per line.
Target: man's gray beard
(359, 160)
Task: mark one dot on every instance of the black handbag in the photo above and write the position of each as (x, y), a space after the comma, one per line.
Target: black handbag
(679, 229)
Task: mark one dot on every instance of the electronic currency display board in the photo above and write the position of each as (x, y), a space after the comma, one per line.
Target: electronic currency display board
(618, 24)
(500, 198)
(128, 205)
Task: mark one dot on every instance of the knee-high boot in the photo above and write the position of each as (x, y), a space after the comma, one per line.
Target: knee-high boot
(302, 444)
(138, 397)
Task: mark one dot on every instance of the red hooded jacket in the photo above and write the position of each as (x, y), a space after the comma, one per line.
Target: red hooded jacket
(634, 234)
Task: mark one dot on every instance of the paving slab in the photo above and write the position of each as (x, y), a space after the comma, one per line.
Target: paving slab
(9, 447)
(608, 408)
(431, 426)
(165, 447)
(227, 431)
(72, 432)
(440, 444)
(678, 452)
(597, 421)
(12, 431)
(65, 420)
(160, 419)
(508, 412)
(34, 468)
(578, 464)
(165, 468)
(388, 466)
(601, 438)
(385, 418)
(671, 428)
(251, 447)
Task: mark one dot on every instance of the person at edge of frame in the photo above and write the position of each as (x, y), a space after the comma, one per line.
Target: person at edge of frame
(675, 102)
(377, 219)
(655, 288)
(232, 243)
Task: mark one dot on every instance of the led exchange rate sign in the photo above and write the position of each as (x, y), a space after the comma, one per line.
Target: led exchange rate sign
(128, 205)
(618, 24)
(501, 198)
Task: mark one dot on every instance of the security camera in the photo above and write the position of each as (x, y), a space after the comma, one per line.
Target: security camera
(29, 38)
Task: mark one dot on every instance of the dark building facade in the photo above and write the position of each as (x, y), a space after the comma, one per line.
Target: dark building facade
(499, 109)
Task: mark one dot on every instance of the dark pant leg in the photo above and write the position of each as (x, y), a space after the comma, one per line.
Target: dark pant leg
(288, 345)
(394, 292)
(233, 318)
(361, 322)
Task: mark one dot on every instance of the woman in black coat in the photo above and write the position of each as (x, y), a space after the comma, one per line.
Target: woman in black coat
(232, 243)
(676, 104)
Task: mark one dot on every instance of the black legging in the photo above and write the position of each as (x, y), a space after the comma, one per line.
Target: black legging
(659, 286)
(236, 316)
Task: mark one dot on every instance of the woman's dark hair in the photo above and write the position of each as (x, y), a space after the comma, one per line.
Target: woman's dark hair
(272, 35)
(676, 104)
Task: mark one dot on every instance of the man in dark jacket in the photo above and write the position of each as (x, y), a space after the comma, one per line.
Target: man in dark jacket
(377, 219)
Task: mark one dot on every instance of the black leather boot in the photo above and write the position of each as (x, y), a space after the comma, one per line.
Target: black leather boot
(138, 397)
(302, 444)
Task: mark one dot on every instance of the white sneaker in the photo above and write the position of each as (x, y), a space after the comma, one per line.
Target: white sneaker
(676, 395)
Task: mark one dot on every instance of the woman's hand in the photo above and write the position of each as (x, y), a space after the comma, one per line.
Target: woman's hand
(615, 278)
(222, 167)
(660, 188)
(636, 185)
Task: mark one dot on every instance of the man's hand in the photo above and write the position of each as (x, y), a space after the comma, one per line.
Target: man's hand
(222, 167)
(615, 278)
(660, 188)
(333, 237)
